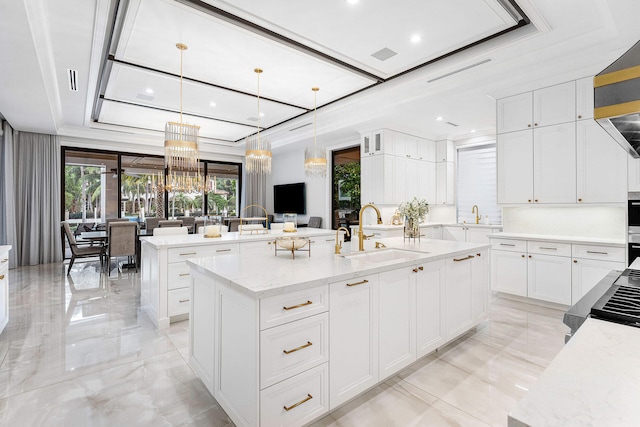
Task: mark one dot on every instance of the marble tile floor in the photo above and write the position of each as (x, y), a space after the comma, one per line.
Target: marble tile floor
(78, 351)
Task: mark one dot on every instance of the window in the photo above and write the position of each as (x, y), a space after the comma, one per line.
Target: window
(477, 184)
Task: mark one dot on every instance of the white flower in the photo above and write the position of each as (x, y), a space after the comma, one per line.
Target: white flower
(414, 210)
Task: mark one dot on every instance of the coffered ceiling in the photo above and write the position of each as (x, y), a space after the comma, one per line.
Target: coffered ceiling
(377, 63)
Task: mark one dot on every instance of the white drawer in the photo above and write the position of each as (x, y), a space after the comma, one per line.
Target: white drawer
(178, 301)
(178, 275)
(324, 240)
(296, 401)
(608, 253)
(509, 245)
(288, 307)
(261, 247)
(181, 254)
(292, 348)
(549, 248)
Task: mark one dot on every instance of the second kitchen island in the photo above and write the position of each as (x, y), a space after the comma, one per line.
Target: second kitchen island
(281, 341)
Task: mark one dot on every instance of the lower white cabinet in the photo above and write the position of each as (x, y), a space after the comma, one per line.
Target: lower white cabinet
(549, 278)
(4, 286)
(457, 234)
(432, 232)
(586, 273)
(429, 303)
(509, 272)
(472, 234)
(458, 295)
(397, 320)
(480, 285)
(353, 338)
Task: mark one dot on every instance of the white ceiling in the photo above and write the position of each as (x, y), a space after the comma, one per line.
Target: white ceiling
(299, 45)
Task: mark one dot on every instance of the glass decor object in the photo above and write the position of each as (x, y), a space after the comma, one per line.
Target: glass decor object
(258, 151)
(315, 160)
(413, 212)
(181, 151)
(212, 226)
(290, 221)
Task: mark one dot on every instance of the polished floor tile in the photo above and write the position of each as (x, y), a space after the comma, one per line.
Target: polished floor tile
(78, 351)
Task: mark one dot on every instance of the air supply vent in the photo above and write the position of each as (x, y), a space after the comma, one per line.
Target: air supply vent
(300, 127)
(452, 124)
(72, 77)
(459, 70)
(384, 54)
(145, 97)
(252, 119)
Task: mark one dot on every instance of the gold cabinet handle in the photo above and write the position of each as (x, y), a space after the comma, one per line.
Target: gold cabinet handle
(421, 268)
(306, 399)
(358, 283)
(223, 250)
(184, 274)
(297, 306)
(1, 276)
(598, 252)
(575, 261)
(184, 300)
(478, 254)
(308, 344)
(188, 253)
(548, 248)
(5, 260)
(463, 259)
(415, 270)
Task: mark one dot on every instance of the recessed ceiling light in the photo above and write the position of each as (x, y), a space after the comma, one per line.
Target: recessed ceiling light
(415, 38)
(149, 90)
(213, 104)
(352, 1)
(261, 114)
(439, 118)
(473, 130)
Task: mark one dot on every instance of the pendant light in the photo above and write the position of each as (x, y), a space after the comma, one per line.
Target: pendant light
(258, 151)
(315, 160)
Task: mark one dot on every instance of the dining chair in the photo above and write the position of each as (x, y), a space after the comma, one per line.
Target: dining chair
(172, 231)
(315, 222)
(189, 222)
(198, 225)
(151, 224)
(233, 224)
(122, 242)
(80, 250)
(170, 223)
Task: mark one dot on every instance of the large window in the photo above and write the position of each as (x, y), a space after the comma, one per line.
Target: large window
(346, 186)
(477, 184)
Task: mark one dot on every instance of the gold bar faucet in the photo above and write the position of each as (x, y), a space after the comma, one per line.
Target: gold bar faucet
(475, 209)
(361, 236)
(338, 243)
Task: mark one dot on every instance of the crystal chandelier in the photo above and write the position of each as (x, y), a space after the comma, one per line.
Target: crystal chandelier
(258, 152)
(315, 160)
(181, 156)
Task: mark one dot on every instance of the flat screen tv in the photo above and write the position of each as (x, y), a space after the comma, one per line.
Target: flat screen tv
(289, 198)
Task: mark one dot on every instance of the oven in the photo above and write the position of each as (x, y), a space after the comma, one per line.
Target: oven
(621, 302)
(633, 222)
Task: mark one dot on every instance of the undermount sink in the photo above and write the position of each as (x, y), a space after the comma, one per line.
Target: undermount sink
(384, 255)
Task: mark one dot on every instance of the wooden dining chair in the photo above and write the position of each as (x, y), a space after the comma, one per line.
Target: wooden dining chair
(122, 242)
(170, 223)
(81, 250)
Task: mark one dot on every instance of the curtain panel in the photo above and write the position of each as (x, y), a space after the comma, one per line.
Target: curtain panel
(31, 197)
(255, 193)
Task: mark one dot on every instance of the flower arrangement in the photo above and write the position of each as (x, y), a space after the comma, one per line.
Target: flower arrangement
(415, 210)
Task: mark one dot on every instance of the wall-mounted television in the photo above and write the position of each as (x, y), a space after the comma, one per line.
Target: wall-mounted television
(289, 198)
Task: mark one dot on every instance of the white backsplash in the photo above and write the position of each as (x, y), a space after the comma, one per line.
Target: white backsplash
(439, 214)
(585, 221)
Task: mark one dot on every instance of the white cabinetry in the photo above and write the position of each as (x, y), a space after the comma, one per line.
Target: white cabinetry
(549, 276)
(509, 267)
(375, 188)
(377, 142)
(590, 264)
(353, 342)
(445, 151)
(634, 174)
(601, 165)
(472, 234)
(584, 98)
(554, 104)
(480, 285)
(432, 232)
(515, 112)
(397, 320)
(445, 181)
(430, 284)
(554, 164)
(515, 167)
(457, 234)
(4, 286)
(458, 295)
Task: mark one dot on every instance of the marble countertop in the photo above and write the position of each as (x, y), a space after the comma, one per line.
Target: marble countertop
(158, 242)
(593, 381)
(559, 238)
(5, 248)
(385, 227)
(261, 275)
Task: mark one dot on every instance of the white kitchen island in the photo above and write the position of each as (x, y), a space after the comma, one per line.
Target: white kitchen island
(281, 341)
(166, 280)
(4, 286)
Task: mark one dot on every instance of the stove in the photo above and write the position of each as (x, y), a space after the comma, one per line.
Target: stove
(621, 303)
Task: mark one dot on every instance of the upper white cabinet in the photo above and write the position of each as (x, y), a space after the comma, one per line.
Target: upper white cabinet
(514, 152)
(554, 104)
(515, 113)
(601, 165)
(445, 151)
(374, 187)
(584, 98)
(634, 174)
(426, 149)
(378, 142)
(554, 164)
(445, 180)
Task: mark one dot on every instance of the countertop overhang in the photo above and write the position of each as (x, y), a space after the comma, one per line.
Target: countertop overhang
(261, 275)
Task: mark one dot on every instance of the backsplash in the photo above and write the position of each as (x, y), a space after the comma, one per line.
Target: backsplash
(586, 221)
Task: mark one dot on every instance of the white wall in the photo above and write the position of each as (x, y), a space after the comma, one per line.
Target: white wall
(586, 221)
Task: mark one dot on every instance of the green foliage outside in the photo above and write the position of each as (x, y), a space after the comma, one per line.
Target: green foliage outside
(347, 180)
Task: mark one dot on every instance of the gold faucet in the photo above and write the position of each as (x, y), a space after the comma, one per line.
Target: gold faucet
(475, 209)
(338, 243)
(361, 236)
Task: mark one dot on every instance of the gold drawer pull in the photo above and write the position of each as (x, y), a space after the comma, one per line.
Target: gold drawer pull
(308, 344)
(297, 306)
(548, 248)
(358, 283)
(5, 260)
(188, 253)
(184, 274)
(421, 268)
(184, 300)
(598, 252)
(306, 399)
(462, 259)
(223, 250)
(1, 276)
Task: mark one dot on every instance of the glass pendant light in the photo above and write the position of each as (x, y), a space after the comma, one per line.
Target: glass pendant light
(315, 160)
(258, 151)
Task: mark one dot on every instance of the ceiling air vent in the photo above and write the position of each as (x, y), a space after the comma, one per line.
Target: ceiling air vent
(459, 70)
(384, 54)
(72, 76)
(145, 97)
(299, 127)
(452, 124)
(252, 119)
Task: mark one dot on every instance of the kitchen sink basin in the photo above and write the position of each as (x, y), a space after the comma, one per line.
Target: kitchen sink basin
(384, 255)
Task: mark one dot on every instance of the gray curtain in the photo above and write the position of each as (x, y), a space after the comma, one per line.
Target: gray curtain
(255, 193)
(31, 197)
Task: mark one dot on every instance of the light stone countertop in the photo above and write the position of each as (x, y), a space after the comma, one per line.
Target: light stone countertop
(261, 275)
(386, 227)
(158, 242)
(593, 381)
(5, 248)
(558, 238)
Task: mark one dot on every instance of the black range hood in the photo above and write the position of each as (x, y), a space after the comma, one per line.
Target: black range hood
(617, 100)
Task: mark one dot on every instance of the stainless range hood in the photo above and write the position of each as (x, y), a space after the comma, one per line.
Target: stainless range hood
(617, 100)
